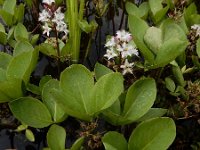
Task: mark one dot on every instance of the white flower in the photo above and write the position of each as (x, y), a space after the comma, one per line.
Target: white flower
(111, 42)
(48, 2)
(110, 53)
(127, 67)
(44, 16)
(123, 36)
(127, 50)
(197, 28)
(47, 29)
(62, 27)
(58, 16)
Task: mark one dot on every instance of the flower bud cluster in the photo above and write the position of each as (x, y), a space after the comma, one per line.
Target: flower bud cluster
(121, 47)
(52, 18)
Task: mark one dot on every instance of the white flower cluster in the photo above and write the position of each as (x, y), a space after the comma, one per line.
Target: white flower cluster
(121, 46)
(196, 27)
(52, 19)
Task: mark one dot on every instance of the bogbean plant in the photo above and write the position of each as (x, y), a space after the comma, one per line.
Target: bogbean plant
(116, 93)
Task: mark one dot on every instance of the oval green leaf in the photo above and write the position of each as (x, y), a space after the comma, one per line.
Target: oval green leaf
(75, 82)
(114, 141)
(22, 65)
(10, 90)
(106, 91)
(78, 144)
(101, 70)
(20, 32)
(48, 98)
(29, 135)
(22, 46)
(154, 134)
(138, 28)
(139, 99)
(31, 111)
(153, 39)
(56, 137)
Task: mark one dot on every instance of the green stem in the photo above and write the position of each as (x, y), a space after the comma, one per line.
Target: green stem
(75, 13)
(88, 47)
(58, 50)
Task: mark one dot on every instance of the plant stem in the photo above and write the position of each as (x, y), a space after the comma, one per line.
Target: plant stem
(88, 46)
(122, 18)
(57, 49)
(75, 14)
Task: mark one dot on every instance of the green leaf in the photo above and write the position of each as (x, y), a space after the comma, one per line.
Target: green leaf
(178, 75)
(9, 6)
(33, 89)
(114, 141)
(155, 6)
(7, 17)
(132, 9)
(4, 60)
(183, 25)
(44, 80)
(20, 32)
(158, 133)
(10, 90)
(19, 13)
(22, 46)
(85, 26)
(78, 144)
(169, 51)
(140, 11)
(101, 70)
(170, 85)
(29, 135)
(3, 38)
(106, 91)
(21, 127)
(153, 113)
(56, 137)
(138, 28)
(171, 30)
(47, 49)
(153, 39)
(113, 114)
(3, 35)
(144, 10)
(160, 14)
(139, 99)
(157, 10)
(34, 39)
(2, 29)
(31, 111)
(22, 65)
(88, 27)
(190, 10)
(55, 108)
(77, 98)
(11, 33)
